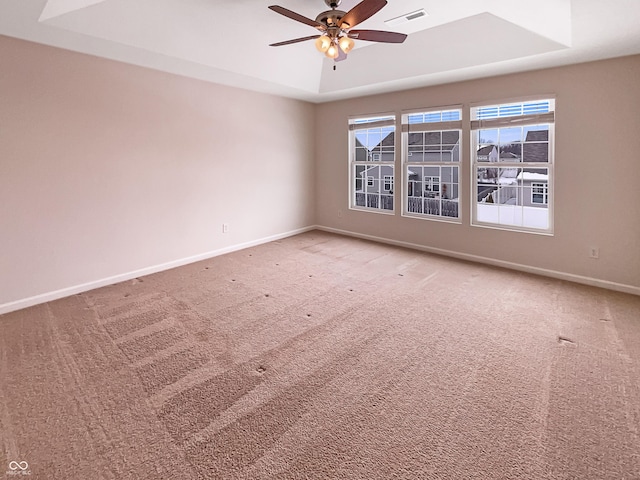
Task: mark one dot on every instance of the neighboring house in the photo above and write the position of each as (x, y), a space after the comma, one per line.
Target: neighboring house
(375, 183)
(488, 154)
(509, 157)
(433, 181)
(423, 180)
(382, 152)
(422, 148)
(536, 152)
(528, 189)
(524, 187)
(535, 188)
(376, 179)
(439, 183)
(374, 186)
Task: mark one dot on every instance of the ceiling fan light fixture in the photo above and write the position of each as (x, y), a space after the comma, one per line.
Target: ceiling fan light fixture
(332, 51)
(346, 44)
(323, 43)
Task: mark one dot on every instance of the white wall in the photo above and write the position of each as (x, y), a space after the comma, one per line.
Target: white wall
(108, 168)
(597, 183)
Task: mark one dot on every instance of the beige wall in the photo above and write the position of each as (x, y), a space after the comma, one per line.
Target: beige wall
(597, 184)
(107, 168)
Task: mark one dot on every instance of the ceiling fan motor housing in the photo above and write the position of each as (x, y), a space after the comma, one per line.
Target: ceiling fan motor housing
(330, 18)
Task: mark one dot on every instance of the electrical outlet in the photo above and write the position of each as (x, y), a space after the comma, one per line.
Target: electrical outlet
(594, 252)
(225, 227)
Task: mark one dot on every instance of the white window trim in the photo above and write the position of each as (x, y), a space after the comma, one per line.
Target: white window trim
(389, 119)
(405, 163)
(502, 122)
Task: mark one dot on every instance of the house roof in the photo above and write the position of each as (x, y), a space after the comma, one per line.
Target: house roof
(383, 168)
(532, 152)
(448, 138)
(485, 151)
(388, 141)
(531, 176)
(537, 136)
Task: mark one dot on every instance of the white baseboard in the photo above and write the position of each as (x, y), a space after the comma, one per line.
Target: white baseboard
(594, 282)
(66, 292)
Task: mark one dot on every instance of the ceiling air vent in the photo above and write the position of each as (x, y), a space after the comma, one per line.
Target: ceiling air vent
(407, 17)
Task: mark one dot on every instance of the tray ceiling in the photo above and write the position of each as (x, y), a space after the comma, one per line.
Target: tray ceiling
(226, 41)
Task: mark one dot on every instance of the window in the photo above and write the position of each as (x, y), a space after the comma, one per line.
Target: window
(431, 154)
(372, 163)
(539, 193)
(512, 156)
(432, 184)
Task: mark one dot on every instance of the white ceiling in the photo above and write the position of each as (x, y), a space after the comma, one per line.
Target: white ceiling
(226, 41)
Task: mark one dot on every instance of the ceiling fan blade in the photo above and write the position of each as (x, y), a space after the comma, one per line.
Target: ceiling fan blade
(296, 16)
(361, 12)
(378, 36)
(295, 40)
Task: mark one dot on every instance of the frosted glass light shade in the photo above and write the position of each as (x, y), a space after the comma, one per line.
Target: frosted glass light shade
(346, 44)
(332, 51)
(323, 43)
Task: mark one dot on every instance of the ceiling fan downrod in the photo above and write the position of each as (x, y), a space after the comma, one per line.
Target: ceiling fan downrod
(333, 3)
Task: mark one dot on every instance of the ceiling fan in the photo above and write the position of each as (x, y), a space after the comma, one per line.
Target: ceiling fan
(336, 27)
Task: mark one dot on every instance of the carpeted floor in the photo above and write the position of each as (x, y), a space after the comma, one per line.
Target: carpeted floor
(324, 357)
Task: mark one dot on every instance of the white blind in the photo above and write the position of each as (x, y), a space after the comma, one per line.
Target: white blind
(532, 119)
(511, 114)
(427, 127)
(372, 123)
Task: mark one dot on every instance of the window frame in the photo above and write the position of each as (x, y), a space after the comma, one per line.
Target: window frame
(430, 183)
(359, 122)
(441, 127)
(523, 120)
(544, 193)
(387, 180)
